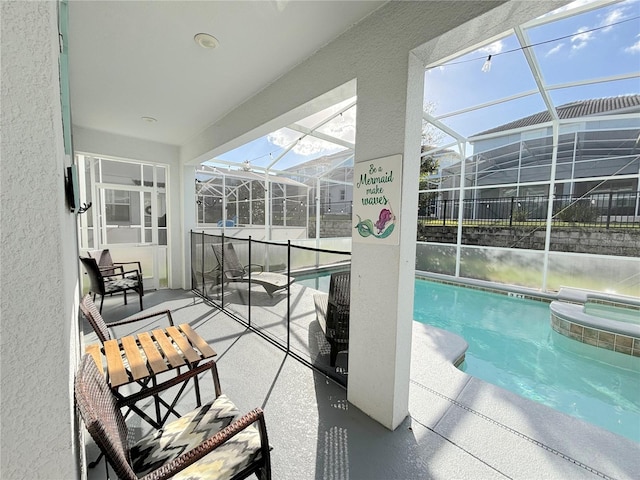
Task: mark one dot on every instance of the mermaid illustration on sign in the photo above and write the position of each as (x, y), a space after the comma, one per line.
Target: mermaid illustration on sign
(381, 229)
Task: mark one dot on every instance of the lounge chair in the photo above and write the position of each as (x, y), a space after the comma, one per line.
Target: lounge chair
(205, 271)
(332, 311)
(234, 271)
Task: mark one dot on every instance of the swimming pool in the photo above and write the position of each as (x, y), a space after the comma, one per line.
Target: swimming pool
(512, 345)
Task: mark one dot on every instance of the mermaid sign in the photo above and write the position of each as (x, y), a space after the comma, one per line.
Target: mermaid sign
(376, 199)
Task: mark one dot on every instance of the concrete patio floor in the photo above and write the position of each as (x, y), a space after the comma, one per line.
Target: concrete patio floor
(458, 427)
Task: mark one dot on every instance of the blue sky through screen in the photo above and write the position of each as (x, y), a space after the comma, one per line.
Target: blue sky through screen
(600, 43)
(266, 150)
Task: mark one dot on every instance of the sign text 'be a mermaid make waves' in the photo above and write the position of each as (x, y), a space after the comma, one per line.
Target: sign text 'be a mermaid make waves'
(376, 200)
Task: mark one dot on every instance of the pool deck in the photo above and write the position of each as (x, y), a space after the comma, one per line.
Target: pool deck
(458, 427)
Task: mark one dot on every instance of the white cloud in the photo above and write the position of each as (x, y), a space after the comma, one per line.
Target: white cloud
(635, 48)
(555, 49)
(570, 6)
(612, 17)
(341, 126)
(581, 39)
(493, 48)
(307, 146)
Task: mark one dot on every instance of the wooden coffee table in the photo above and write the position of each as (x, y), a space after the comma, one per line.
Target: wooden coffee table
(141, 357)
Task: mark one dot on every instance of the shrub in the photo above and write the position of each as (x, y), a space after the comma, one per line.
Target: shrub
(578, 212)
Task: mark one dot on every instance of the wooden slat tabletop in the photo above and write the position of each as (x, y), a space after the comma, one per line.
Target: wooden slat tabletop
(184, 345)
(154, 357)
(198, 341)
(137, 364)
(94, 351)
(117, 373)
(149, 354)
(175, 359)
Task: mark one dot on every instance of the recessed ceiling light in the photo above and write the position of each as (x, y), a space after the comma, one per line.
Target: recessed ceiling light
(149, 119)
(206, 41)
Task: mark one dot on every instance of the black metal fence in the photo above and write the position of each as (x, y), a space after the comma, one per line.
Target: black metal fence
(599, 210)
(287, 316)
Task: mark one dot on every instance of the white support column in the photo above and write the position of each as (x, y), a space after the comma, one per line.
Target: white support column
(317, 212)
(267, 207)
(461, 197)
(551, 196)
(224, 204)
(382, 276)
(284, 206)
(189, 215)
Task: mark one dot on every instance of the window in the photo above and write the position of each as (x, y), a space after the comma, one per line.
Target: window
(117, 206)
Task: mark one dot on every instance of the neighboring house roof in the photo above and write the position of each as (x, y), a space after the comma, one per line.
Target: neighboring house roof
(580, 108)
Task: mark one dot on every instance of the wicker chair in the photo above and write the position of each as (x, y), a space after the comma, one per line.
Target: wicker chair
(107, 265)
(104, 284)
(90, 312)
(337, 329)
(92, 315)
(332, 311)
(211, 442)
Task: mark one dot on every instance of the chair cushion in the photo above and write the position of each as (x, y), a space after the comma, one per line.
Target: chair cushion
(120, 284)
(181, 435)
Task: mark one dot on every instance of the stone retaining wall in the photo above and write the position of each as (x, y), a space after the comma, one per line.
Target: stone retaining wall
(624, 243)
(334, 228)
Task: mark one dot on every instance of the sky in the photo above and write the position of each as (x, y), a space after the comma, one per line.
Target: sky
(597, 44)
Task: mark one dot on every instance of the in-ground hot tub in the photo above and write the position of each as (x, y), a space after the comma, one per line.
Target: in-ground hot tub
(604, 321)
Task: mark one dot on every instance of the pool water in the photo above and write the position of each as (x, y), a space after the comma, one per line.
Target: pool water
(512, 345)
(316, 281)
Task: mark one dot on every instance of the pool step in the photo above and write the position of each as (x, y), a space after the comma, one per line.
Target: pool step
(570, 320)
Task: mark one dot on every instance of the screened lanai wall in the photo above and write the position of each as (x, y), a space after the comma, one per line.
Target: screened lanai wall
(298, 186)
(595, 163)
(542, 152)
(244, 201)
(128, 213)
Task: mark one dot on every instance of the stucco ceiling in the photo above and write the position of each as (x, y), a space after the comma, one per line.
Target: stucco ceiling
(134, 59)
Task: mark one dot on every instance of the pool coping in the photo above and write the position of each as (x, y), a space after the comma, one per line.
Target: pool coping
(533, 433)
(500, 288)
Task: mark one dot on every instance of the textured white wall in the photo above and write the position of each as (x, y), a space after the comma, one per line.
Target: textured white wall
(38, 262)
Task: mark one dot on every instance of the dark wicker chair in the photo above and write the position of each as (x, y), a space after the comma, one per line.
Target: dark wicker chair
(332, 311)
(104, 284)
(106, 263)
(94, 318)
(211, 442)
(90, 312)
(108, 267)
(234, 271)
(337, 332)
